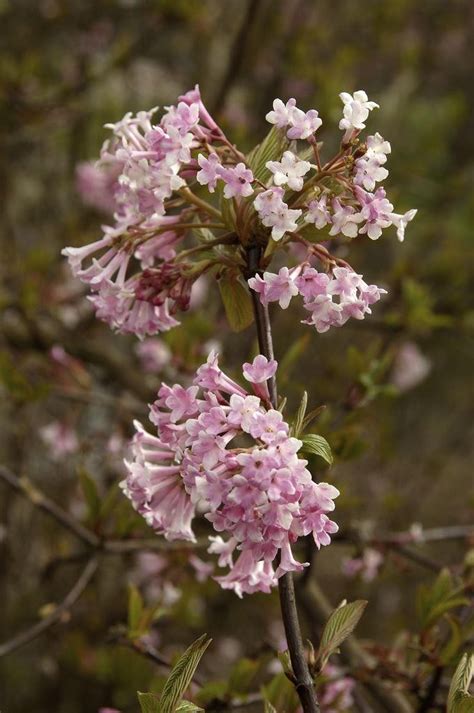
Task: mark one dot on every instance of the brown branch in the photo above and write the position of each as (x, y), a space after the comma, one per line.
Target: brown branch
(26, 488)
(63, 608)
(236, 56)
(303, 680)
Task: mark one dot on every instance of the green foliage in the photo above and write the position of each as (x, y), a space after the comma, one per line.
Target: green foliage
(312, 443)
(182, 674)
(149, 703)
(237, 301)
(435, 601)
(339, 626)
(281, 694)
(459, 700)
(271, 149)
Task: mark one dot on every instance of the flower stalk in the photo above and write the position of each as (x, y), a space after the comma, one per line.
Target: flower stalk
(302, 678)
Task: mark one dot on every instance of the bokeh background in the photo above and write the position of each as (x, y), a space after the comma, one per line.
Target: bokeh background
(398, 386)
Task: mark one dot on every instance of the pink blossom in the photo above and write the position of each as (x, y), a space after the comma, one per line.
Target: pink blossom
(280, 287)
(281, 114)
(260, 370)
(303, 125)
(260, 496)
(209, 173)
(290, 170)
(318, 212)
(367, 566)
(356, 112)
(238, 180)
(345, 220)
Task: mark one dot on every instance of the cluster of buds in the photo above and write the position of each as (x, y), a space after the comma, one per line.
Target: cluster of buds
(155, 176)
(225, 452)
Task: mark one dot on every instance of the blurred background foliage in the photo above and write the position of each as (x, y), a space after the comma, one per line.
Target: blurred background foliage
(403, 446)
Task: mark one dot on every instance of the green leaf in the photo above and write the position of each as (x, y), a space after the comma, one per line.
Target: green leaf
(318, 445)
(237, 301)
(297, 425)
(188, 707)
(438, 599)
(463, 703)
(460, 684)
(453, 644)
(271, 149)
(182, 674)
(242, 675)
(281, 694)
(135, 610)
(91, 495)
(339, 626)
(149, 703)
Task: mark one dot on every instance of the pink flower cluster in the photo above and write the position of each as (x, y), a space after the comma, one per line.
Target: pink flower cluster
(330, 299)
(224, 451)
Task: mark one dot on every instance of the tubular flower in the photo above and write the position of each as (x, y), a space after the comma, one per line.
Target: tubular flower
(259, 496)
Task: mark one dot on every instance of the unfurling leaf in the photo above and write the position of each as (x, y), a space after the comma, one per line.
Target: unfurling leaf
(182, 674)
(339, 626)
(459, 700)
(271, 149)
(297, 425)
(237, 301)
(318, 445)
(149, 703)
(135, 610)
(188, 707)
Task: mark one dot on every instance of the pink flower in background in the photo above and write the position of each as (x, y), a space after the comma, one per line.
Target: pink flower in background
(60, 439)
(367, 566)
(410, 367)
(336, 695)
(154, 355)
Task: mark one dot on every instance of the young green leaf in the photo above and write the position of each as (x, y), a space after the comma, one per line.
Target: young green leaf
(188, 707)
(271, 149)
(318, 445)
(460, 685)
(237, 301)
(463, 703)
(149, 703)
(339, 626)
(297, 425)
(135, 610)
(182, 674)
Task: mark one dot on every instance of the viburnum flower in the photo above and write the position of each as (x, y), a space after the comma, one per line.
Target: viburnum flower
(238, 181)
(209, 172)
(141, 272)
(280, 287)
(356, 111)
(290, 170)
(282, 113)
(319, 291)
(260, 496)
(318, 212)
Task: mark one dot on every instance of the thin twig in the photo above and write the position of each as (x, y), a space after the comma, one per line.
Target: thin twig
(64, 607)
(36, 498)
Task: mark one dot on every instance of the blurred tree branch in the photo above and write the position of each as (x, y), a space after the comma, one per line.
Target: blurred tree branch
(59, 611)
